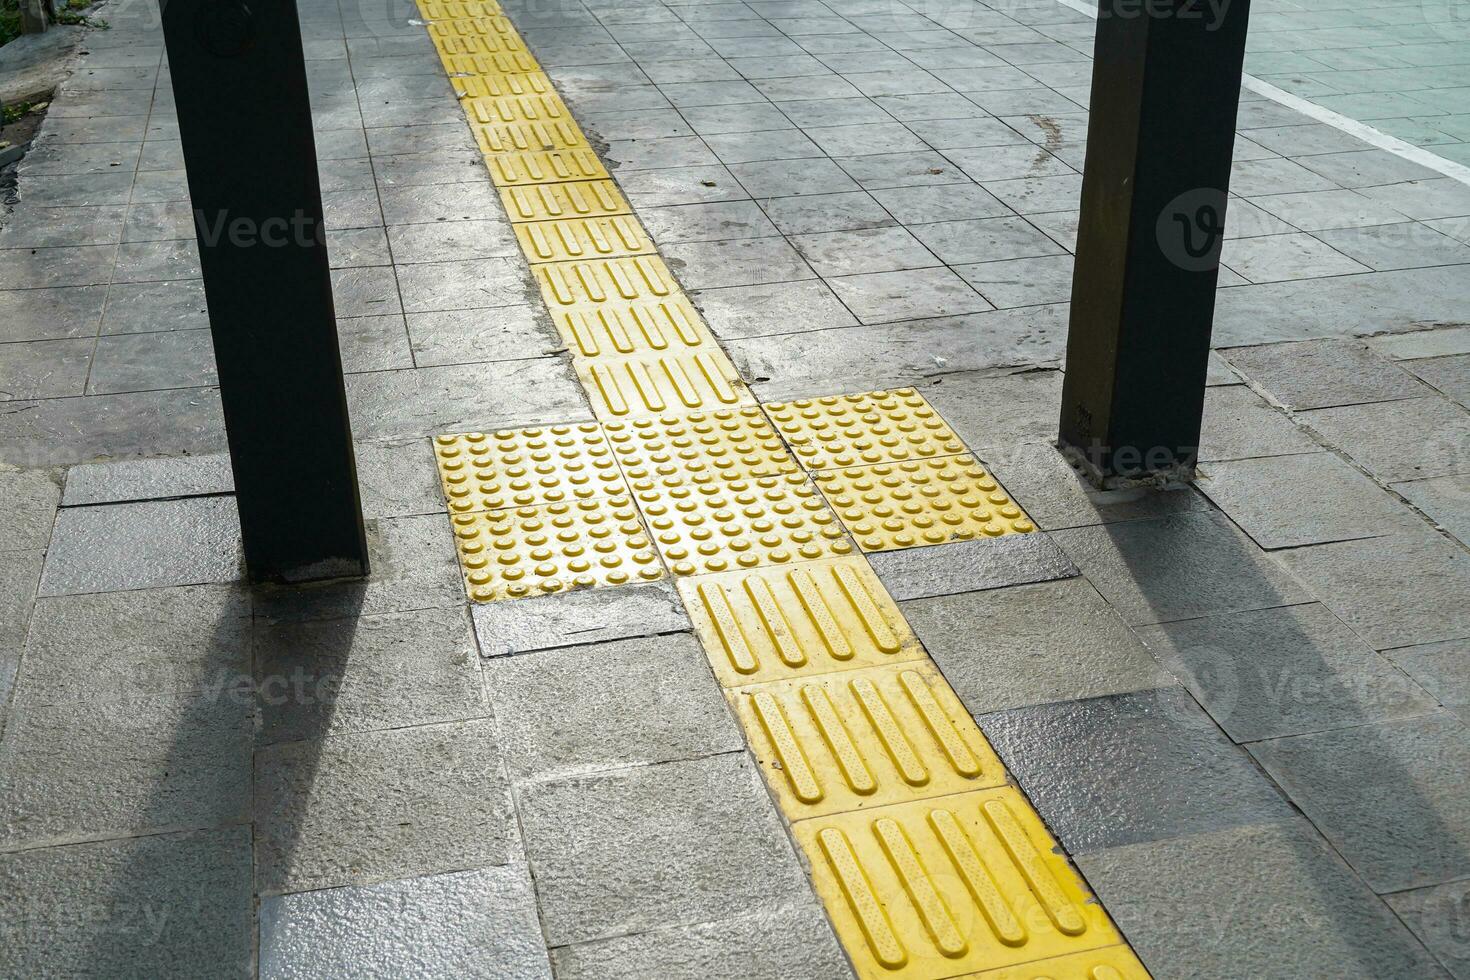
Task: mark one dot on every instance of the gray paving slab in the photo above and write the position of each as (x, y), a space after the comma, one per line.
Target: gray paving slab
(784, 178)
(143, 545)
(1388, 795)
(469, 336)
(148, 479)
(1039, 478)
(968, 566)
(146, 762)
(1323, 373)
(414, 566)
(45, 368)
(1451, 375)
(754, 147)
(375, 806)
(1285, 671)
(790, 942)
(926, 203)
(152, 361)
(31, 498)
(998, 409)
(1411, 439)
(817, 213)
(365, 674)
(656, 846)
(1396, 590)
(738, 312)
(577, 618)
(1311, 498)
(681, 185)
(1130, 768)
(1435, 915)
(866, 250)
(1239, 424)
(1261, 900)
(914, 294)
(149, 906)
(719, 221)
(1032, 644)
(1177, 567)
(1405, 245)
(51, 314)
(398, 479)
(735, 262)
(150, 306)
(577, 710)
(1441, 669)
(466, 924)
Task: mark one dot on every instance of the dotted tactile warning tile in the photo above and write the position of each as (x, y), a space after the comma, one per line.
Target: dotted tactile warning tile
(618, 330)
(573, 239)
(856, 430)
(643, 278)
(814, 617)
(527, 551)
(720, 526)
(949, 886)
(864, 738)
(543, 166)
(553, 202)
(724, 445)
(1108, 963)
(523, 467)
(921, 502)
(622, 388)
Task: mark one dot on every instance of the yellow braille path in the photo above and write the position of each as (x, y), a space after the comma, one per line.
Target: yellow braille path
(930, 863)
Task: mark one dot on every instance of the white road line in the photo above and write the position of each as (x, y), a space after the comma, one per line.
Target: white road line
(1361, 130)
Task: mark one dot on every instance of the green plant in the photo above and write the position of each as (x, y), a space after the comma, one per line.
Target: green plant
(9, 21)
(12, 112)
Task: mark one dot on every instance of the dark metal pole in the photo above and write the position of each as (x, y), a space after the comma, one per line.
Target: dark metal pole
(1165, 88)
(239, 79)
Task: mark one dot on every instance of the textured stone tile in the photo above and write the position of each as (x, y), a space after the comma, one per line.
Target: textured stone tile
(1032, 644)
(365, 674)
(414, 566)
(374, 806)
(1285, 501)
(784, 178)
(1056, 496)
(575, 618)
(1177, 567)
(31, 497)
(1021, 282)
(1394, 591)
(148, 479)
(1411, 439)
(145, 307)
(76, 770)
(152, 361)
(458, 285)
(51, 314)
(813, 213)
(922, 204)
(655, 846)
(1450, 375)
(882, 297)
(738, 312)
(1437, 916)
(45, 368)
(1442, 669)
(968, 566)
(755, 147)
(1283, 671)
(764, 944)
(1130, 768)
(846, 253)
(1406, 245)
(398, 479)
(467, 336)
(1268, 900)
(1323, 373)
(991, 410)
(466, 924)
(738, 262)
(719, 221)
(1239, 424)
(573, 711)
(680, 185)
(19, 573)
(177, 904)
(143, 545)
(1388, 795)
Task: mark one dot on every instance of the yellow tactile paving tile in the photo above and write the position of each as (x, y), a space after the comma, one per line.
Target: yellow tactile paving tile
(490, 66)
(596, 282)
(458, 9)
(864, 738)
(497, 28)
(860, 429)
(530, 90)
(473, 56)
(528, 137)
(526, 551)
(1108, 963)
(720, 526)
(730, 444)
(543, 167)
(575, 239)
(628, 387)
(480, 107)
(551, 202)
(523, 467)
(619, 329)
(949, 886)
(795, 621)
(921, 502)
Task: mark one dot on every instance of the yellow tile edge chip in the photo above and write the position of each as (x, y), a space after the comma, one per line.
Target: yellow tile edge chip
(864, 738)
(949, 885)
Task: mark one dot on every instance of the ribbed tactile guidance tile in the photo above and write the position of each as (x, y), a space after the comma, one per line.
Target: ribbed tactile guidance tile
(525, 551)
(725, 445)
(856, 430)
(921, 502)
(524, 467)
(719, 526)
(949, 886)
(864, 738)
(798, 620)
